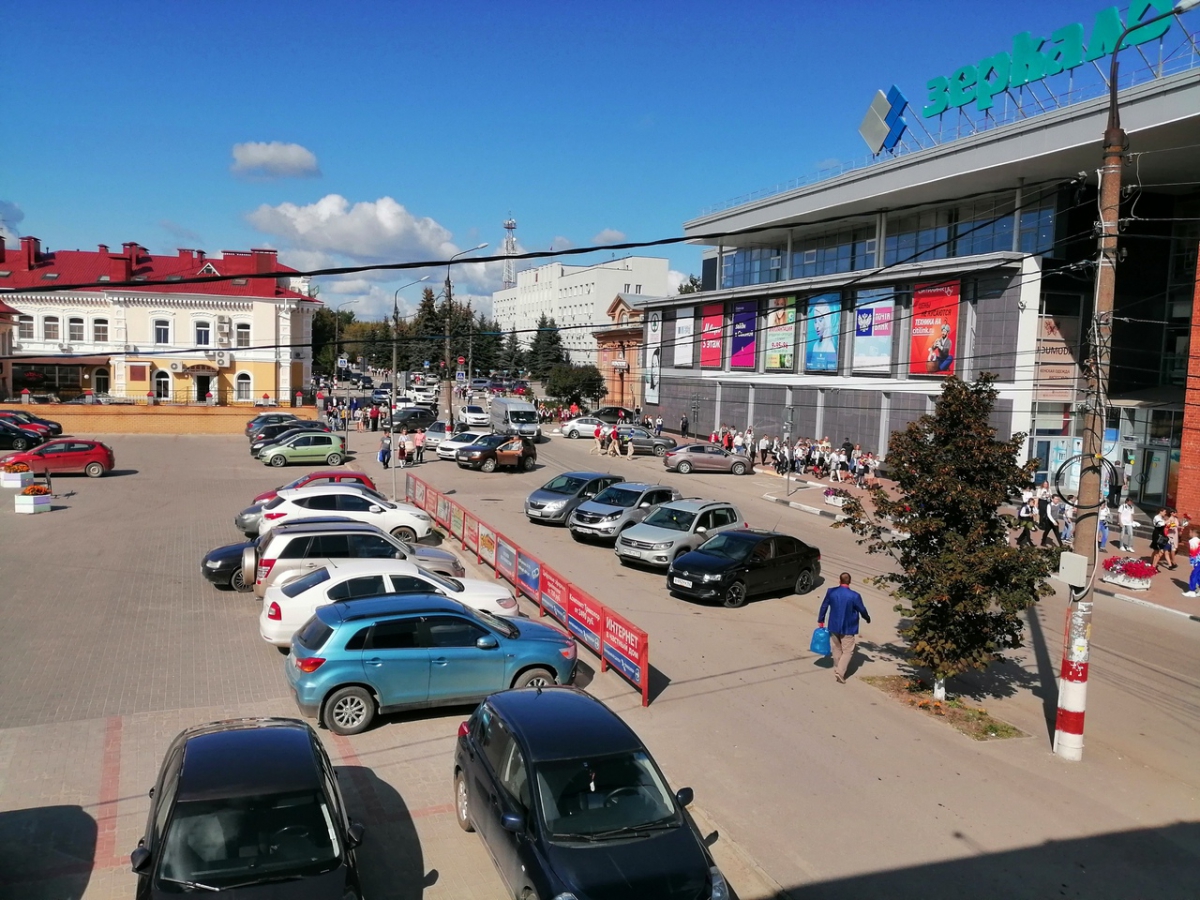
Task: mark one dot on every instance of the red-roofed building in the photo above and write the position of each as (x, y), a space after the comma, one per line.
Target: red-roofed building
(236, 339)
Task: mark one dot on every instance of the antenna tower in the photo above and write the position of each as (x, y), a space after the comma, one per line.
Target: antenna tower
(510, 251)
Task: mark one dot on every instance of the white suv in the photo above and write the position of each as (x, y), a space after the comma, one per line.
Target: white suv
(402, 520)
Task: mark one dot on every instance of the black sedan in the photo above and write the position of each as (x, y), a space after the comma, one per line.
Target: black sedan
(251, 808)
(571, 804)
(735, 565)
(260, 421)
(223, 566)
(612, 414)
(21, 416)
(12, 437)
(645, 441)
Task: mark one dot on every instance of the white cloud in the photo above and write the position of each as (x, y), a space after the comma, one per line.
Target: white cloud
(561, 243)
(273, 160)
(609, 236)
(11, 216)
(674, 280)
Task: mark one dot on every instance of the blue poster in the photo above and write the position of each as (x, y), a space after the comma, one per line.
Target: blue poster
(529, 574)
(822, 329)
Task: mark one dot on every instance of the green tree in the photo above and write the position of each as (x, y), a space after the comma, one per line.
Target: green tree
(323, 330)
(488, 344)
(573, 384)
(546, 350)
(512, 357)
(691, 285)
(960, 586)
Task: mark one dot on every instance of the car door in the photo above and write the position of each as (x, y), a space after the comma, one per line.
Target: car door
(73, 458)
(491, 741)
(326, 549)
(53, 458)
(411, 584)
(787, 563)
(319, 447)
(724, 518)
(359, 507)
(761, 574)
(298, 448)
(459, 670)
(395, 662)
(513, 796)
(357, 588)
(373, 546)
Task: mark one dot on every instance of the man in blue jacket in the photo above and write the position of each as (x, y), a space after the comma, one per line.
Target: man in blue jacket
(845, 606)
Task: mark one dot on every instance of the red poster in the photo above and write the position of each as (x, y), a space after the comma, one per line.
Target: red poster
(554, 595)
(934, 342)
(712, 324)
(585, 617)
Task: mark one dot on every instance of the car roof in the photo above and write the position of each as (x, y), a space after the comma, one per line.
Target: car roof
(694, 504)
(640, 485)
(348, 568)
(245, 757)
(310, 490)
(563, 723)
(388, 605)
(589, 475)
(325, 524)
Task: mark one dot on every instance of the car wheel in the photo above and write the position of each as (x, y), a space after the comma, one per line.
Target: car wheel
(94, 470)
(535, 678)
(279, 461)
(738, 468)
(20, 444)
(461, 802)
(489, 465)
(405, 534)
(334, 459)
(349, 711)
(683, 468)
(573, 434)
(804, 583)
(735, 596)
(237, 582)
(522, 463)
(660, 450)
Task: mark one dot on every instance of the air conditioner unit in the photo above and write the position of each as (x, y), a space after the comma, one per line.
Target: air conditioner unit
(64, 347)
(223, 340)
(175, 367)
(223, 325)
(221, 358)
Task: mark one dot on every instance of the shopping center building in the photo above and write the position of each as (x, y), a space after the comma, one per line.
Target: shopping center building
(967, 244)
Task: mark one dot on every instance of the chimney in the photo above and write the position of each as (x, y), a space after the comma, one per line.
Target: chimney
(120, 267)
(200, 254)
(31, 250)
(3, 250)
(187, 255)
(265, 260)
(103, 249)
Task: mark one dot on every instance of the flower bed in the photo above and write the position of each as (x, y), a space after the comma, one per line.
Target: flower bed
(28, 503)
(834, 497)
(16, 479)
(1128, 572)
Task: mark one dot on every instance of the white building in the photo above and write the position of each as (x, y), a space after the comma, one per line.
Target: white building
(576, 297)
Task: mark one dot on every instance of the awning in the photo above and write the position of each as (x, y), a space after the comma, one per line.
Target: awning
(57, 360)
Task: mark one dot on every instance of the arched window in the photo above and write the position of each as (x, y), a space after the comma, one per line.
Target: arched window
(100, 381)
(162, 331)
(243, 387)
(162, 385)
(50, 328)
(75, 330)
(100, 331)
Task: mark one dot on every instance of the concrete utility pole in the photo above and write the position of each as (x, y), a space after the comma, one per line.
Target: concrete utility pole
(1072, 693)
(447, 380)
(337, 369)
(395, 338)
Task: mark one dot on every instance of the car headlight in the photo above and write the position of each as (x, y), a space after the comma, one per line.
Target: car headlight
(665, 545)
(713, 576)
(474, 455)
(555, 504)
(720, 889)
(565, 895)
(213, 564)
(611, 516)
(422, 517)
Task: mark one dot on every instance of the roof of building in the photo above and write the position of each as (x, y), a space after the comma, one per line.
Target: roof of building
(29, 267)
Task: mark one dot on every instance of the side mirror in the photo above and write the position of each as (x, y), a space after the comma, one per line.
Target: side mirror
(701, 530)
(645, 505)
(375, 509)
(512, 822)
(139, 860)
(487, 642)
(685, 796)
(354, 834)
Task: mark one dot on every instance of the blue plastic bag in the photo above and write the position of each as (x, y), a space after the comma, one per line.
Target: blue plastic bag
(820, 642)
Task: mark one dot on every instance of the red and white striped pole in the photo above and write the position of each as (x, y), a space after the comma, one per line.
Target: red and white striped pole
(1072, 686)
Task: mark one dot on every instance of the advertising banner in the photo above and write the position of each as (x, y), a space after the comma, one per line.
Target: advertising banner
(529, 575)
(487, 545)
(653, 364)
(585, 617)
(506, 557)
(471, 533)
(410, 488)
(822, 328)
(743, 346)
(934, 328)
(418, 496)
(1057, 359)
(781, 334)
(712, 341)
(874, 313)
(685, 333)
(431, 501)
(456, 520)
(625, 649)
(554, 595)
(443, 510)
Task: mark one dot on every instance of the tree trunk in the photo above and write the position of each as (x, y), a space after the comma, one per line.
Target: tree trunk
(939, 689)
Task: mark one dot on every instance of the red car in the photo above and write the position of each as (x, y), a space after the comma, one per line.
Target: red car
(25, 422)
(92, 458)
(321, 476)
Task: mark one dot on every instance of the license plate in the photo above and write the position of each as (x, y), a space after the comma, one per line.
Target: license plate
(624, 551)
(585, 529)
(534, 512)
(683, 582)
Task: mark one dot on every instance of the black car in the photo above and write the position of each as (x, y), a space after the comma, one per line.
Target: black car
(570, 803)
(271, 434)
(243, 804)
(646, 441)
(413, 417)
(612, 414)
(13, 437)
(223, 566)
(21, 416)
(736, 564)
(259, 422)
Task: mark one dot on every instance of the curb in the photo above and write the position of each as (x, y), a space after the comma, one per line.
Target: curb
(1138, 601)
(747, 880)
(825, 513)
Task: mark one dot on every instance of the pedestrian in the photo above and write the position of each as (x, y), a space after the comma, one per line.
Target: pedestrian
(1025, 522)
(374, 418)
(845, 605)
(629, 445)
(614, 448)
(739, 444)
(1125, 518)
(410, 448)
(658, 425)
(683, 427)
(1193, 545)
(1064, 512)
(385, 450)
(1158, 538)
(419, 446)
(764, 445)
(598, 434)
(1172, 534)
(1046, 520)
(401, 448)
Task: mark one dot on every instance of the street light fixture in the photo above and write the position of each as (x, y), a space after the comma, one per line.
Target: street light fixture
(448, 387)
(395, 337)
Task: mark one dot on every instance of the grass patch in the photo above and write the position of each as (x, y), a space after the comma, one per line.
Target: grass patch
(973, 721)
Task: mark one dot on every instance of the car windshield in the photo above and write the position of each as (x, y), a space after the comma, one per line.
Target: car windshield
(496, 623)
(300, 585)
(728, 547)
(244, 840)
(589, 798)
(618, 496)
(523, 416)
(474, 409)
(670, 519)
(490, 440)
(443, 581)
(564, 484)
(467, 437)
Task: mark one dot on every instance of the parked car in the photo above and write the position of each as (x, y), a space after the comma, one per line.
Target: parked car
(249, 520)
(63, 455)
(288, 605)
(248, 806)
(492, 451)
(480, 384)
(383, 393)
(307, 544)
(612, 414)
(674, 528)
(223, 565)
(738, 564)
(555, 500)
(13, 437)
(706, 458)
(306, 447)
(584, 426)
(436, 433)
(412, 418)
(570, 803)
(474, 416)
(617, 507)
(264, 419)
(401, 520)
(277, 434)
(352, 661)
(513, 416)
(449, 447)
(646, 441)
(321, 476)
(22, 419)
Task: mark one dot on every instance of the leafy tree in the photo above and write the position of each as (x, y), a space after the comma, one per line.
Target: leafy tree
(691, 286)
(547, 350)
(512, 357)
(960, 585)
(324, 353)
(573, 384)
(488, 344)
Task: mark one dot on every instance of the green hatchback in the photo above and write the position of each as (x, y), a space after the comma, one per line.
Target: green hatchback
(313, 447)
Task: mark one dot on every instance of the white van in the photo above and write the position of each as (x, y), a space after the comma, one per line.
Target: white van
(512, 416)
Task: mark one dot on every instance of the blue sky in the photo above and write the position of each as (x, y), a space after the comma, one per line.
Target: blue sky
(421, 126)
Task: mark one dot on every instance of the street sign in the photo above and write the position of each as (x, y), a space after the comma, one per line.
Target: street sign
(427, 364)
(461, 360)
(460, 375)
(343, 362)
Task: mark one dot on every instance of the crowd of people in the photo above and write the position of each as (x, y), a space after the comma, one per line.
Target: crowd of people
(846, 463)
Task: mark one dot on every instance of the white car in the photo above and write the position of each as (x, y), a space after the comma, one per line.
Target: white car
(449, 447)
(584, 426)
(401, 520)
(474, 416)
(288, 605)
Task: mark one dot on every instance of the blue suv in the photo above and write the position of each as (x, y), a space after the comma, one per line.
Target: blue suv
(355, 659)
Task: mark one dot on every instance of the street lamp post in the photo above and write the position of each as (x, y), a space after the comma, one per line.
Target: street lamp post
(448, 387)
(395, 337)
(1068, 727)
(336, 368)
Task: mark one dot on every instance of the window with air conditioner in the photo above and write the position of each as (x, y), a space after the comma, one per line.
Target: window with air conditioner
(75, 330)
(100, 331)
(50, 328)
(203, 334)
(162, 331)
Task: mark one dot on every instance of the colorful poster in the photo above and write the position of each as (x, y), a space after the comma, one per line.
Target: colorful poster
(1057, 359)
(685, 332)
(554, 595)
(529, 575)
(623, 645)
(653, 365)
(506, 557)
(456, 520)
(431, 502)
(874, 313)
(585, 617)
(823, 326)
(471, 533)
(934, 328)
(487, 545)
(781, 334)
(418, 492)
(743, 346)
(712, 341)
(443, 510)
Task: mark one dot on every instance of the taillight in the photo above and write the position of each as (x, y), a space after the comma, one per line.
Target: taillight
(568, 652)
(309, 664)
(274, 515)
(273, 612)
(264, 569)
(464, 729)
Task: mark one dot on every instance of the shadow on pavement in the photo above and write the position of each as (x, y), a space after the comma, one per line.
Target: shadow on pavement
(46, 852)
